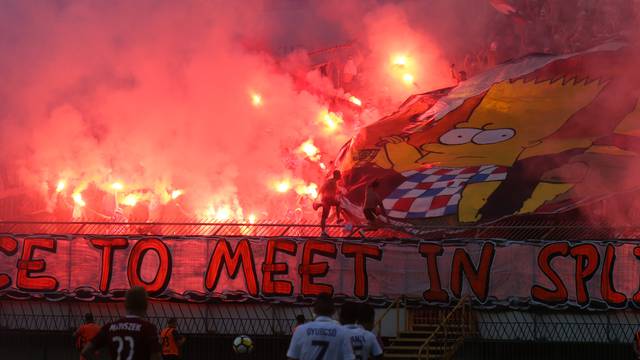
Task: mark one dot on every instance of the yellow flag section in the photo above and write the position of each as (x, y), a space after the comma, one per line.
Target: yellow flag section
(539, 135)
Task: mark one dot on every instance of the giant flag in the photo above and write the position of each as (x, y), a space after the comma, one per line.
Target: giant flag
(543, 134)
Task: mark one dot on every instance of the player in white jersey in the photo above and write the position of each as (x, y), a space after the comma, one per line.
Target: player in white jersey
(321, 339)
(364, 343)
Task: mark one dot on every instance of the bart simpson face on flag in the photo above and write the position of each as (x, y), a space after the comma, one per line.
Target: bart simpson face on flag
(511, 118)
(540, 135)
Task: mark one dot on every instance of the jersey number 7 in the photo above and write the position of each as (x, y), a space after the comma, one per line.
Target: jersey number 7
(323, 345)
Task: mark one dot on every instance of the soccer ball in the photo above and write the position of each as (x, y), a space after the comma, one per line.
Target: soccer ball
(242, 344)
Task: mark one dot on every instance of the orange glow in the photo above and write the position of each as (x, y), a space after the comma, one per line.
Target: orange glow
(310, 190)
(283, 186)
(408, 79)
(310, 150)
(252, 218)
(61, 185)
(176, 194)
(77, 198)
(330, 120)
(256, 99)
(117, 186)
(355, 100)
(131, 199)
(222, 213)
(399, 60)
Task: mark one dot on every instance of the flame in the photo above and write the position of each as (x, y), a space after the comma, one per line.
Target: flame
(399, 60)
(256, 99)
(330, 120)
(408, 79)
(310, 150)
(323, 166)
(117, 186)
(77, 198)
(131, 199)
(252, 218)
(310, 190)
(283, 186)
(61, 185)
(355, 100)
(176, 194)
(222, 213)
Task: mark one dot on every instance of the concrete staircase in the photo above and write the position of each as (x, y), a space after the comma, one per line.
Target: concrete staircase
(438, 334)
(408, 343)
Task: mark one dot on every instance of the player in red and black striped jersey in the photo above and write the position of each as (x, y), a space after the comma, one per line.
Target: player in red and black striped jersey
(132, 337)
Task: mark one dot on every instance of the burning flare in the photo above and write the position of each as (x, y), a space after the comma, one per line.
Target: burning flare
(399, 60)
(355, 100)
(310, 150)
(176, 194)
(117, 186)
(283, 186)
(256, 99)
(131, 199)
(330, 120)
(61, 185)
(408, 79)
(310, 190)
(252, 218)
(77, 198)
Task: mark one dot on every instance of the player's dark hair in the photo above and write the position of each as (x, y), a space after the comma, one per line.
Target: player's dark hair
(324, 306)
(366, 315)
(349, 313)
(135, 300)
(300, 319)
(88, 318)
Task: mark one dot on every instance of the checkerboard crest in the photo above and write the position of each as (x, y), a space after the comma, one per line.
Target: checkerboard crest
(436, 191)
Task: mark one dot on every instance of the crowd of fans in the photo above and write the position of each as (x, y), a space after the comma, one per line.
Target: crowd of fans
(551, 26)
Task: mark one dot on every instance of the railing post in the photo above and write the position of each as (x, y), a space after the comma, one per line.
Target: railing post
(408, 323)
(398, 317)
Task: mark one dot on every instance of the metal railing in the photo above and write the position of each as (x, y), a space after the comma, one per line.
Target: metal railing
(397, 304)
(463, 322)
(616, 326)
(227, 229)
(508, 229)
(221, 318)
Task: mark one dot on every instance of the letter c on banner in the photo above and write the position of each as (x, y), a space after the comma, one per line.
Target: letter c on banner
(163, 274)
(8, 246)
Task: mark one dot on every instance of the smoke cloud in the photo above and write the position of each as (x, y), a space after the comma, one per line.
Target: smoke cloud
(210, 99)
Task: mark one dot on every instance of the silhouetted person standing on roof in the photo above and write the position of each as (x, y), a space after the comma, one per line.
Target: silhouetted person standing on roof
(372, 203)
(329, 198)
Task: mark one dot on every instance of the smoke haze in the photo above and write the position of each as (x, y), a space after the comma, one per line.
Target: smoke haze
(209, 98)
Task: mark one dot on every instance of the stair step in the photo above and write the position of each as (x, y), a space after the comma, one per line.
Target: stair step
(412, 356)
(433, 346)
(449, 325)
(426, 334)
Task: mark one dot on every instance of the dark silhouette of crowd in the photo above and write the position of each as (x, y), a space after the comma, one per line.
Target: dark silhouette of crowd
(551, 26)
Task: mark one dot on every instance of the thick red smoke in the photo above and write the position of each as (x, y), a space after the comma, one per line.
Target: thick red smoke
(206, 110)
(110, 105)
